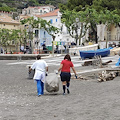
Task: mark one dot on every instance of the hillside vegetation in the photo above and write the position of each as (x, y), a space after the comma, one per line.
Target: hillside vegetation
(14, 5)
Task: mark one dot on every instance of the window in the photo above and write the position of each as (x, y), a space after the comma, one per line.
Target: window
(13, 42)
(56, 20)
(26, 26)
(61, 28)
(29, 12)
(51, 21)
(36, 33)
(44, 33)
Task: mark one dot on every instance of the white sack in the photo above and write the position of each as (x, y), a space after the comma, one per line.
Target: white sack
(52, 83)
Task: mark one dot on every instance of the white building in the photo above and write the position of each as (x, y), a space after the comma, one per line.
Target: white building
(39, 10)
(55, 18)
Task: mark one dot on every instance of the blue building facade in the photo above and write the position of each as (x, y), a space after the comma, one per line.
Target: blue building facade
(45, 38)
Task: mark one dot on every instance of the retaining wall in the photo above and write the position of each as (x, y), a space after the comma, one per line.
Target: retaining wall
(20, 56)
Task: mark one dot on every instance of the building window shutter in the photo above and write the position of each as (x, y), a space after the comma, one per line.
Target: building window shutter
(36, 33)
(51, 21)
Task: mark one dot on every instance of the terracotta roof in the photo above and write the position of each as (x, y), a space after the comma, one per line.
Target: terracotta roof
(7, 19)
(53, 13)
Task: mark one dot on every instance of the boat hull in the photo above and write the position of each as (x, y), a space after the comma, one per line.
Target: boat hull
(92, 53)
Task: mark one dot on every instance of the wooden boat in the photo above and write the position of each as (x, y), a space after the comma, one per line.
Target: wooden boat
(91, 53)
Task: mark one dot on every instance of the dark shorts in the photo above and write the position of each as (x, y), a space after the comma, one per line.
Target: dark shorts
(65, 76)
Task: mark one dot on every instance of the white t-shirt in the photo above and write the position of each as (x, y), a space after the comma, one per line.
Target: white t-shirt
(40, 67)
(22, 48)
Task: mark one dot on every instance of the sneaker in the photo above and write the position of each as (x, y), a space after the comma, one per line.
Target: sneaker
(39, 95)
(63, 93)
(68, 91)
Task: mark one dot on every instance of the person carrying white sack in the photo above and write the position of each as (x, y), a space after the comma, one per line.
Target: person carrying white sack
(40, 67)
(65, 74)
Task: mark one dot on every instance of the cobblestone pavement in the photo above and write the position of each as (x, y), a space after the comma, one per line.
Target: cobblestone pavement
(88, 100)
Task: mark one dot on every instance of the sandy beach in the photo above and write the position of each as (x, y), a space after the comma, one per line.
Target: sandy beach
(88, 99)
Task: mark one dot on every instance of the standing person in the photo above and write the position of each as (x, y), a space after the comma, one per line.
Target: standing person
(65, 48)
(2, 51)
(57, 47)
(40, 67)
(65, 74)
(44, 48)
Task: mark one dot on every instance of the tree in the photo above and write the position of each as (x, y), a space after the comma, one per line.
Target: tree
(76, 5)
(94, 9)
(107, 4)
(4, 38)
(16, 37)
(32, 23)
(75, 22)
(7, 36)
(84, 11)
(33, 3)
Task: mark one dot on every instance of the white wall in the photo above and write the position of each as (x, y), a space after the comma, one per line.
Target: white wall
(60, 36)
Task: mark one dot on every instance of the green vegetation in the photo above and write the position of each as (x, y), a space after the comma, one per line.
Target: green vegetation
(14, 5)
(93, 12)
(8, 36)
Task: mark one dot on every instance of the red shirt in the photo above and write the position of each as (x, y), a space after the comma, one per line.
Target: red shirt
(66, 65)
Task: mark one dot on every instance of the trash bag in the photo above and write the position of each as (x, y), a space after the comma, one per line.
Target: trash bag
(52, 83)
(30, 73)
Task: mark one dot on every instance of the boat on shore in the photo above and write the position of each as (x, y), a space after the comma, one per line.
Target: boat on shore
(91, 53)
(76, 49)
